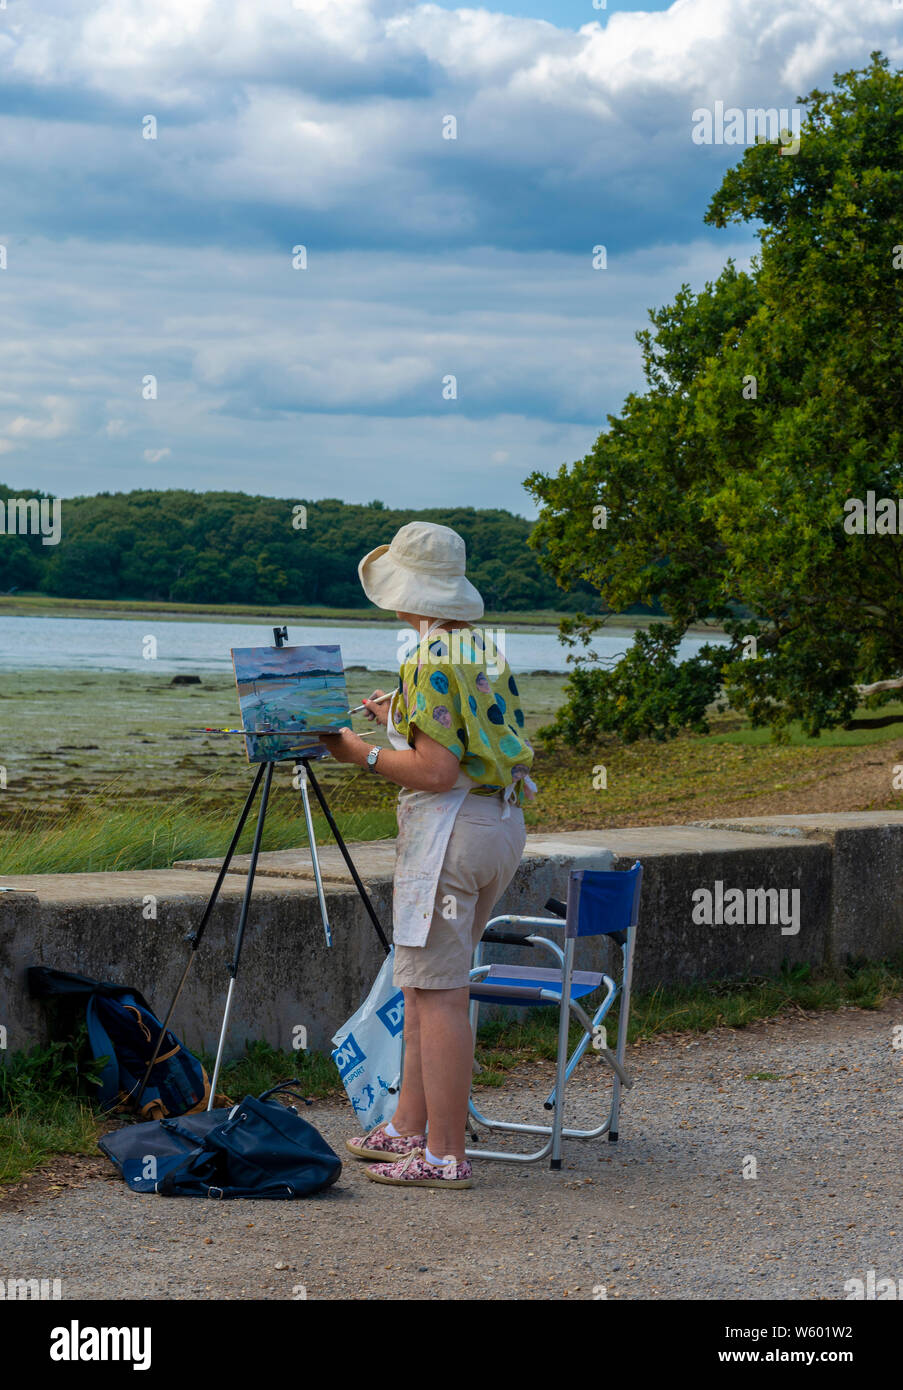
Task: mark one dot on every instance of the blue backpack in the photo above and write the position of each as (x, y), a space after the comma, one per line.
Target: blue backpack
(123, 1029)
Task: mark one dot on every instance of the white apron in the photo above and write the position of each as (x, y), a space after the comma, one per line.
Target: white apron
(425, 824)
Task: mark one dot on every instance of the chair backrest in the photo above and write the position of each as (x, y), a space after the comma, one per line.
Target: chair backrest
(602, 902)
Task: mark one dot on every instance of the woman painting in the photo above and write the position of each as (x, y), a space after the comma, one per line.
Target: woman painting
(459, 753)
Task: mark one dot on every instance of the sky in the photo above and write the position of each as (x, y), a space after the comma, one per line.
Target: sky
(570, 14)
(300, 286)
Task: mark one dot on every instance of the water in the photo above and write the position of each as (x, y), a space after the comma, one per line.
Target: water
(187, 647)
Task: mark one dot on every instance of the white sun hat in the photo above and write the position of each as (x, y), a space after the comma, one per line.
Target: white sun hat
(421, 571)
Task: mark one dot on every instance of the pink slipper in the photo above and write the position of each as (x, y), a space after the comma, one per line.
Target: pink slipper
(378, 1143)
(414, 1171)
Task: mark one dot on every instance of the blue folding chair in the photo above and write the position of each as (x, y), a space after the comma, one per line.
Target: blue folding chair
(600, 903)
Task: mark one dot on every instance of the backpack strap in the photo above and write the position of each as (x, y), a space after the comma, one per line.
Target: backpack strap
(102, 1046)
(166, 1184)
(289, 1086)
(142, 1026)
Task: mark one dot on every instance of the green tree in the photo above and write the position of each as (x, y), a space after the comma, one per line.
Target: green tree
(773, 398)
(84, 566)
(19, 567)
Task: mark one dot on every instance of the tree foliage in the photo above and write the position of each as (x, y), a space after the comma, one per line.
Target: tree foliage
(648, 694)
(228, 547)
(772, 398)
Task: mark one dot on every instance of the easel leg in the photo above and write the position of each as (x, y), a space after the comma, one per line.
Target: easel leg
(365, 897)
(301, 780)
(242, 923)
(222, 1042)
(195, 936)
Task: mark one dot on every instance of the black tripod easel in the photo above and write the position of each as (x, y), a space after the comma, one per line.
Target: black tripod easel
(303, 773)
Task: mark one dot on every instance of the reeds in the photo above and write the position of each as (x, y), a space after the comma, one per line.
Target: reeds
(116, 833)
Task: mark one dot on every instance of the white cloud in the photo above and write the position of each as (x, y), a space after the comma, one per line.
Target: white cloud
(295, 382)
(335, 106)
(321, 124)
(58, 421)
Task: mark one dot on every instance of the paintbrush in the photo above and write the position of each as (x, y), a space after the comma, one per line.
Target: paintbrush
(378, 701)
(265, 733)
(248, 733)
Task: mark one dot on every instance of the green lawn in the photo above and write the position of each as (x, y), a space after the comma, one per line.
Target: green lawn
(868, 726)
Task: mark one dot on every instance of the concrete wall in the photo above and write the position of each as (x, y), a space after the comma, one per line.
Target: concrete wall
(846, 868)
(287, 976)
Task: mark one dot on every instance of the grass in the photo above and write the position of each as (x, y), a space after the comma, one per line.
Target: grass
(47, 605)
(45, 1105)
(866, 727)
(263, 1066)
(507, 1042)
(161, 792)
(732, 771)
(136, 789)
(111, 834)
(32, 1133)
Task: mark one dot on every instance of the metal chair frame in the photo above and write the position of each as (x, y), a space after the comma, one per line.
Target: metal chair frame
(532, 990)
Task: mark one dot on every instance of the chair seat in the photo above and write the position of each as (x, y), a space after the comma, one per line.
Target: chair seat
(524, 984)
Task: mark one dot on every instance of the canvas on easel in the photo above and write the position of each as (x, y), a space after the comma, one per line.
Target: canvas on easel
(290, 690)
(290, 695)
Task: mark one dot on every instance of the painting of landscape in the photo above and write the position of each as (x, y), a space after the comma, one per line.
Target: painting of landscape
(299, 690)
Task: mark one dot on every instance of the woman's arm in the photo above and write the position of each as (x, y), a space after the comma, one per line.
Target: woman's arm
(427, 767)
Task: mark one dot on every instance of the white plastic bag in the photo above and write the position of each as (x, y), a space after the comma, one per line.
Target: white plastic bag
(368, 1051)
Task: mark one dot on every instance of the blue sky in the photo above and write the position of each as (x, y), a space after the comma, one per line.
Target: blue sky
(161, 330)
(571, 14)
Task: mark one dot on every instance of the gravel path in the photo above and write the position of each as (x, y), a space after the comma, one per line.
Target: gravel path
(665, 1213)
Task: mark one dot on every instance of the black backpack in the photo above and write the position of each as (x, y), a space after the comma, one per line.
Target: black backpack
(259, 1148)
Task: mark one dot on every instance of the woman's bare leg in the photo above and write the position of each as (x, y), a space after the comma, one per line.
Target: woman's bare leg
(410, 1113)
(446, 1065)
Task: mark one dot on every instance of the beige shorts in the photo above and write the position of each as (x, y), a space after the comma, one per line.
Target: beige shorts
(480, 861)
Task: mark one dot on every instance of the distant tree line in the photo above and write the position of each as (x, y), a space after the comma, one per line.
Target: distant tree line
(228, 547)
